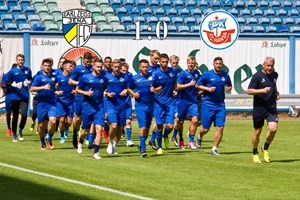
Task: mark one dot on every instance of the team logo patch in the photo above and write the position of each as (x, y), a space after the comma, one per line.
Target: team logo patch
(26, 72)
(196, 75)
(170, 74)
(101, 81)
(223, 78)
(77, 26)
(219, 30)
(53, 79)
(121, 79)
(150, 78)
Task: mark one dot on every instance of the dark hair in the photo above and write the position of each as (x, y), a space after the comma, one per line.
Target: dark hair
(47, 60)
(20, 55)
(122, 60)
(98, 60)
(87, 55)
(164, 55)
(107, 57)
(143, 61)
(73, 63)
(66, 62)
(14, 65)
(218, 58)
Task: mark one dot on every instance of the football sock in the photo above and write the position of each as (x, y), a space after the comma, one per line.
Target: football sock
(128, 133)
(43, 141)
(159, 139)
(180, 137)
(192, 138)
(96, 148)
(166, 133)
(153, 136)
(81, 140)
(214, 148)
(175, 132)
(143, 143)
(90, 137)
(62, 134)
(50, 138)
(255, 152)
(20, 132)
(266, 145)
(75, 132)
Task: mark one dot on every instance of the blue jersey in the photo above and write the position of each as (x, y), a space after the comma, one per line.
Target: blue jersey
(189, 94)
(59, 71)
(142, 85)
(53, 72)
(47, 96)
(8, 88)
(78, 72)
(211, 79)
(98, 84)
(167, 80)
(128, 100)
(19, 75)
(117, 84)
(153, 68)
(63, 85)
(107, 71)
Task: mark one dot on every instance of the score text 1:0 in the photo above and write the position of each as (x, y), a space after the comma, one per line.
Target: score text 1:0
(149, 28)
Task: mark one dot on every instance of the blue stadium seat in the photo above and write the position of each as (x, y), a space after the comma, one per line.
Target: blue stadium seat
(134, 12)
(113, 20)
(1, 27)
(11, 3)
(153, 4)
(250, 5)
(183, 29)
(6, 18)
(141, 4)
(160, 12)
(195, 29)
(172, 29)
(57, 11)
(99, 20)
(288, 22)
(258, 29)
(115, 4)
(146, 12)
(118, 28)
(270, 13)
(246, 29)
(126, 20)
(271, 29)
(257, 13)
(128, 4)
(190, 4)
(51, 27)
(263, 5)
(234, 12)
(252, 21)
(20, 19)
(199, 21)
(241, 21)
(264, 22)
(245, 13)
(42, 11)
(58, 20)
(239, 5)
(296, 5)
(286, 5)
(89, 4)
(2, 3)
(37, 3)
(202, 4)
(165, 4)
(227, 5)
(283, 29)
(24, 27)
(297, 21)
(29, 11)
(130, 28)
(171, 13)
(190, 21)
(51, 4)
(103, 4)
(38, 27)
(152, 21)
(293, 13)
(144, 29)
(274, 5)
(206, 11)
(165, 19)
(47, 19)
(3, 10)
(196, 13)
(177, 21)
(178, 4)
(281, 13)
(215, 5)
(276, 22)
(105, 28)
(140, 18)
(96, 11)
(295, 29)
(33, 19)
(121, 12)
(183, 13)
(15, 10)
(10, 27)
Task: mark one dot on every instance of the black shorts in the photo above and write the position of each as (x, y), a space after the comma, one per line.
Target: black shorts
(261, 113)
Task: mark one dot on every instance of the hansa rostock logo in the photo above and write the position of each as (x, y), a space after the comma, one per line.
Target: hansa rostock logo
(77, 26)
(219, 30)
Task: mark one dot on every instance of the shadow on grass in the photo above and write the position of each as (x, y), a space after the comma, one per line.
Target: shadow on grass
(286, 160)
(237, 152)
(12, 188)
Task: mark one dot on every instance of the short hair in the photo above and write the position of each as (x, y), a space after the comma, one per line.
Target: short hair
(164, 55)
(143, 61)
(67, 62)
(174, 57)
(14, 65)
(51, 60)
(125, 65)
(47, 60)
(87, 55)
(115, 61)
(73, 63)
(189, 58)
(97, 60)
(95, 57)
(20, 55)
(122, 59)
(270, 59)
(62, 58)
(218, 58)
(154, 51)
(108, 57)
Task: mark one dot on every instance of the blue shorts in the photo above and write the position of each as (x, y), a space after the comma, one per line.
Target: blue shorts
(92, 115)
(144, 117)
(216, 115)
(129, 112)
(116, 116)
(184, 109)
(8, 104)
(45, 111)
(105, 104)
(164, 114)
(176, 106)
(199, 110)
(65, 110)
(78, 105)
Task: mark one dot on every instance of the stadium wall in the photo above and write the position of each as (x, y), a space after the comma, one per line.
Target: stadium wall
(241, 60)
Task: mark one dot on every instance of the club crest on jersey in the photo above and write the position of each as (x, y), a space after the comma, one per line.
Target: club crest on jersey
(219, 29)
(53, 79)
(150, 78)
(77, 26)
(170, 74)
(26, 72)
(101, 81)
(263, 80)
(196, 75)
(223, 78)
(121, 79)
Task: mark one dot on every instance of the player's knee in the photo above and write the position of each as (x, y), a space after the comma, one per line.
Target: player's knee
(204, 130)
(113, 126)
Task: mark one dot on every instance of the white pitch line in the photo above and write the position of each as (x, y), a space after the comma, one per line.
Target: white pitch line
(76, 182)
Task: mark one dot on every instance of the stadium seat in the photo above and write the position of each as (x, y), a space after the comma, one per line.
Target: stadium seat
(126, 20)
(2, 3)
(263, 5)
(165, 4)
(252, 21)
(190, 21)
(241, 21)
(246, 29)
(195, 29)
(121, 12)
(276, 22)
(6, 18)
(152, 21)
(283, 29)
(24, 27)
(234, 12)
(288, 22)
(160, 12)
(274, 5)
(3, 10)
(296, 5)
(144, 29)
(42, 11)
(38, 27)
(153, 4)
(178, 4)
(99, 20)
(90, 4)
(286, 5)
(50, 4)
(184, 13)
(295, 29)
(29, 11)
(227, 5)
(11, 3)
(239, 5)
(58, 20)
(165, 19)
(103, 4)
(215, 5)
(177, 21)
(250, 5)
(1, 27)
(128, 4)
(171, 13)
(134, 12)
(141, 4)
(190, 4)
(293, 13)
(96, 11)
(206, 11)
(113, 20)
(10, 27)
(196, 13)
(183, 29)
(15, 10)
(264, 22)
(20, 19)
(108, 12)
(245, 13)
(52, 27)
(146, 12)
(47, 19)
(270, 13)
(257, 13)
(202, 4)
(115, 4)
(297, 21)
(118, 28)
(281, 13)
(57, 10)
(37, 3)
(105, 28)
(130, 28)
(271, 29)
(199, 20)
(140, 18)
(258, 29)
(172, 29)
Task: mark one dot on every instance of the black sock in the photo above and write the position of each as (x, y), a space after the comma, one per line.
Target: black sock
(255, 152)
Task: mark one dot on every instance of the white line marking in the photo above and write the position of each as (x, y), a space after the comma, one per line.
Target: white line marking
(75, 182)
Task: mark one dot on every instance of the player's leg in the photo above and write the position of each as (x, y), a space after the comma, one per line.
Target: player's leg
(169, 121)
(77, 119)
(88, 116)
(112, 117)
(33, 114)
(99, 122)
(182, 113)
(176, 121)
(8, 109)
(42, 123)
(193, 113)
(24, 109)
(160, 120)
(61, 115)
(16, 107)
(206, 122)
(219, 123)
(143, 122)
